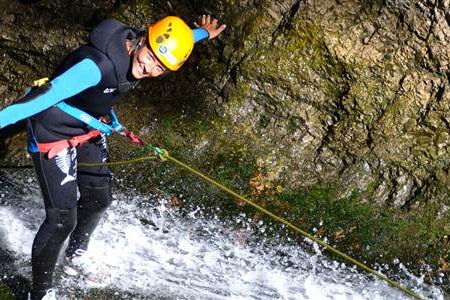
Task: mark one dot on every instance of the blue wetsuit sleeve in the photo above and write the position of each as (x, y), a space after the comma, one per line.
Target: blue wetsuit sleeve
(79, 77)
(200, 34)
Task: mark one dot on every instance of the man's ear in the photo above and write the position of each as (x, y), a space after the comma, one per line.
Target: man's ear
(129, 45)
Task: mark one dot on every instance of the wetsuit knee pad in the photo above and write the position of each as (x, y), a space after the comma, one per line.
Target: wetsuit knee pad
(62, 221)
(58, 224)
(96, 199)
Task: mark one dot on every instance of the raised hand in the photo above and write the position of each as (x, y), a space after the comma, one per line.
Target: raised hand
(211, 25)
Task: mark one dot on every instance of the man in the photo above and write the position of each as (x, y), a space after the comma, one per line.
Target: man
(64, 128)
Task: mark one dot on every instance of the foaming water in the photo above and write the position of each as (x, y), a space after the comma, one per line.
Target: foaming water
(149, 251)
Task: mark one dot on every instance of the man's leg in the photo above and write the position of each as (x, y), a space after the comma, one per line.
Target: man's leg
(57, 179)
(94, 184)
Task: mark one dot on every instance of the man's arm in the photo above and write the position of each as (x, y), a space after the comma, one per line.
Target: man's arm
(79, 77)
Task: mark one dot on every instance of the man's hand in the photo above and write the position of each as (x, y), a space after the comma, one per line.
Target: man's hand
(211, 25)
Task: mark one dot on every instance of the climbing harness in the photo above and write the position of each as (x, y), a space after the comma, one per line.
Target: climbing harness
(100, 127)
(53, 148)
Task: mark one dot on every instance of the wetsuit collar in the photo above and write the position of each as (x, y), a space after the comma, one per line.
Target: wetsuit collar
(111, 40)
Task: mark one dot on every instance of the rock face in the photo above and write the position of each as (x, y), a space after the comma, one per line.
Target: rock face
(351, 94)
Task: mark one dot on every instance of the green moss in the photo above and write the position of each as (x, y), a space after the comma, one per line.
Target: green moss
(171, 135)
(418, 235)
(201, 126)
(375, 235)
(319, 207)
(5, 292)
(233, 169)
(370, 189)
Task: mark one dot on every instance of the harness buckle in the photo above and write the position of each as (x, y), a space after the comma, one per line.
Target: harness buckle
(74, 142)
(40, 82)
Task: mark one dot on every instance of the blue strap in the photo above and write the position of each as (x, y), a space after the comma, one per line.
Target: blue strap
(200, 34)
(85, 118)
(115, 121)
(31, 140)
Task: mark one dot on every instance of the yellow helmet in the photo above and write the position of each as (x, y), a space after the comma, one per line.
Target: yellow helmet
(172, 41)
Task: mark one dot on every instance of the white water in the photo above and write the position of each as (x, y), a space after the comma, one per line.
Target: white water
(189, 257)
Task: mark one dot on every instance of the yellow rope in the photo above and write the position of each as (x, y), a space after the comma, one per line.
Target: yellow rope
(108, 164)
(293, 227)
(164, 155)
(121, 162)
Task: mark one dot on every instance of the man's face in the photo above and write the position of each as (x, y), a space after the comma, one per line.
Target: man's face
(146, 64)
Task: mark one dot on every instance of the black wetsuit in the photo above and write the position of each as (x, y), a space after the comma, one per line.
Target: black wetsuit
(61, 177)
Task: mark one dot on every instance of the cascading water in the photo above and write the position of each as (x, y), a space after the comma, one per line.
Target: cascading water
(144, 250)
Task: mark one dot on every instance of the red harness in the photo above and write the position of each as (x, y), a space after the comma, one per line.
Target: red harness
(53, 148)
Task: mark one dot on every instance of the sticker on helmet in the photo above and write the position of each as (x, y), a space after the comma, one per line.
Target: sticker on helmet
(162, 49)
(167, 54)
